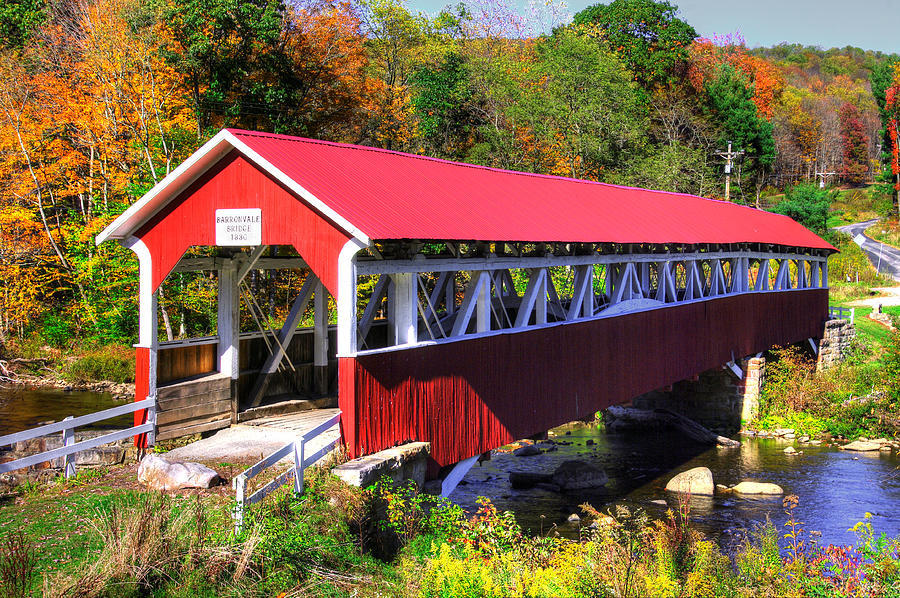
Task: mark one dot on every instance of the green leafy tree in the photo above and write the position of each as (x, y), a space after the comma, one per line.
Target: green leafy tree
(447, 106)
(582, 104)
(808, 205)
(648, 36)
(18, 19)
(674, 167)
(881, 79)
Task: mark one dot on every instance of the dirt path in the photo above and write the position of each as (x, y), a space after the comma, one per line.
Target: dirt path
(889, 296)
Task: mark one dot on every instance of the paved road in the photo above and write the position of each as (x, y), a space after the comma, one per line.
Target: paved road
(884, 257)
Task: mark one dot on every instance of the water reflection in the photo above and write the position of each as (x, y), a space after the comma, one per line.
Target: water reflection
(836, 488)
(22, 408)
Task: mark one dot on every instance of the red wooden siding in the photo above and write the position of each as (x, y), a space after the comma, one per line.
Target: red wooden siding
(468, 397)
(141, 390)
(234, 182)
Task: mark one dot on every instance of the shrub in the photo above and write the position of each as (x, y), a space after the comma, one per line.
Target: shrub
(56, 330)
(451, 576)
(114, 363)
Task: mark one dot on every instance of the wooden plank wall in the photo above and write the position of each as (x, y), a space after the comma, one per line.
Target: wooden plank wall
(470, 396)
(253, 354)
(176, 363)
(193, 406)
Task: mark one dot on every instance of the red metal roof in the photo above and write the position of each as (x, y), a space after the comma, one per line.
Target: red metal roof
(392, 195)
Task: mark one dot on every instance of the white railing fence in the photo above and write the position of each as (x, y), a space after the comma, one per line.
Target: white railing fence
(295, 473)
(70, 447)
(842, 313)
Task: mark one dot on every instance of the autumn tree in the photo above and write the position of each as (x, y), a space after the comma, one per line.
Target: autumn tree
(730, 98)
(855, 164)
(267, 66)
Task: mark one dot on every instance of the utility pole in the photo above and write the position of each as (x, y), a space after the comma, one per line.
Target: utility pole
(729, 156)
(821, 176)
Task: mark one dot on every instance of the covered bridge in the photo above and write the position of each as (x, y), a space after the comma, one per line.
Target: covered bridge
(474, 306)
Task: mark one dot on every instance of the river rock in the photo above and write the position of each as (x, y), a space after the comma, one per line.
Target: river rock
(783, 431)
(698, 480)
(548, 486)
(578, 475)
(790, 450)
(804, 438)
(757, 488)
(815, 442)
(861, 445)
(522, 480)
(158, 473)
(789, 436)
(527, 451)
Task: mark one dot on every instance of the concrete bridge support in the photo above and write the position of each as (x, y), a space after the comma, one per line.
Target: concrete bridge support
(717, 399)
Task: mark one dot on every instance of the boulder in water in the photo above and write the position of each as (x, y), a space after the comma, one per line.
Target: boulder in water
(527, 451)
(757, 488)
(861, 445)
(522, 480)
(698, 480)
(578, 475)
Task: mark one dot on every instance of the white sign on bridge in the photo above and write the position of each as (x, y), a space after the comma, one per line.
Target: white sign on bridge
(239, 227)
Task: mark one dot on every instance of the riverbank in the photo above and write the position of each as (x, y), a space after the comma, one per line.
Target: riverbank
(116, 539)
(93, 368)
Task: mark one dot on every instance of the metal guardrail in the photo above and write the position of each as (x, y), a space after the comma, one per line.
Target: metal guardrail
(70, 447)
(295, 473)
(842, 313)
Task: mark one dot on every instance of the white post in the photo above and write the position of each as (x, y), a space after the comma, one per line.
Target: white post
(482, 303)
(450, 294)
(151, 418)
(540, 304)
(240, 489)
(320, 338)
(645, 278)
(148, 323)
(69, 460)
(299, 449)
(228, 320)
(404, 318)
(346, 299)
(587, 305)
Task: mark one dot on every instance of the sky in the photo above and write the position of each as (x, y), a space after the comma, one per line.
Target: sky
(866, 24)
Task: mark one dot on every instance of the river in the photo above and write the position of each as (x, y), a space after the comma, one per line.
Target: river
(836, 488)
(22, 408)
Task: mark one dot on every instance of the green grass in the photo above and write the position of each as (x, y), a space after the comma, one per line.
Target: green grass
(837, 218)
(885, 231)
(61, 522)
(871, 331)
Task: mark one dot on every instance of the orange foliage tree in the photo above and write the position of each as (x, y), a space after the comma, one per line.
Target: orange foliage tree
(766, 78)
